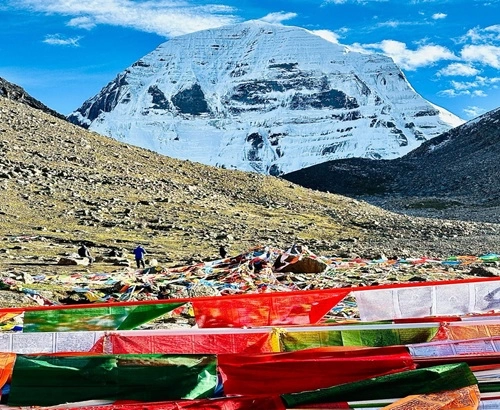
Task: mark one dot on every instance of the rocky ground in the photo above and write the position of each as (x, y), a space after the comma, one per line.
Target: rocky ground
(61, 185)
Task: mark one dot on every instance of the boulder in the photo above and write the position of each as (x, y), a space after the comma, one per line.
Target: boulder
(304, 265)
(151, 262)
(66, 261)
(485, 271)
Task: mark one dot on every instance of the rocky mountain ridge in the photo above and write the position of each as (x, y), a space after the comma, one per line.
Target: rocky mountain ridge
(455, 171)
(265, 98)
(16, 93)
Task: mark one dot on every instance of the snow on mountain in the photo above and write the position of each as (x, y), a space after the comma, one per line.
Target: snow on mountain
(265, 98)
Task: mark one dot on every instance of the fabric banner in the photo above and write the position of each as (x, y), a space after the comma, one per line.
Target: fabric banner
(278, 373)
(472, 330)
(375, 303)
(466, 398)
(264, 340)
(48, 342)
(231, 403)
(450, 348)
(7, 361)
(448, 298)
(493, 404)
(111, 317)
(270, 309)
(50, 380)
(401, 384)
(291, 340)
(191, 343)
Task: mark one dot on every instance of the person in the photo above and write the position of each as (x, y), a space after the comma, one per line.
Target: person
(139, 253)
(84, 252)
(222, 251)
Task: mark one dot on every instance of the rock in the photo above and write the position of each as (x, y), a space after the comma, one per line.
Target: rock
(417, 279)
(151, 262)
(485, 271)
(27, 278)
(73, 261)
(305, 265)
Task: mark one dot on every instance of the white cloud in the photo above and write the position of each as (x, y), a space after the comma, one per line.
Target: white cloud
(479, 93)
(424, 55)
(328, 35)
(450, 92)
(484, 54)
(482, 35)
(473, 111)
(460, 69)
(58, 40)
(475, 88)
(439, 16)
(392, 23)
(278, 17)
(82, 22)
(164, 17)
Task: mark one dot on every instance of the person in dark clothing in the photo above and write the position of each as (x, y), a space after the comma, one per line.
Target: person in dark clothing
(139, 254)
(84, 252)
(222, 251)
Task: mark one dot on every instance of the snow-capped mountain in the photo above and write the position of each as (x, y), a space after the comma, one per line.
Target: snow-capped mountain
(266, 98)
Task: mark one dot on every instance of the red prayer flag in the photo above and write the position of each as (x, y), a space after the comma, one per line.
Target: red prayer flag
(115, 343)
(229, 403)
(270, 309)
(310, 369)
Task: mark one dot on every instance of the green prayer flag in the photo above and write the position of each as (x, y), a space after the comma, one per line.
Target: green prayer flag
(419, 381)
(292, 341)
(94, 318)
(50, 380)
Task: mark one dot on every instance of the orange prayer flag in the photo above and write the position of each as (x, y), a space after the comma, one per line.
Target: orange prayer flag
(466, 398)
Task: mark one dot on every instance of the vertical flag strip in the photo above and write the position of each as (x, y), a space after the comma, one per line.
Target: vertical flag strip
(7, 361)
(50, 380)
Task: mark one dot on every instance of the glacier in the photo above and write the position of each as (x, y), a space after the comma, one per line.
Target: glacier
(265, 98)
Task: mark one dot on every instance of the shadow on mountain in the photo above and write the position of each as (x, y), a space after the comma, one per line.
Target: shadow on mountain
(453, 176)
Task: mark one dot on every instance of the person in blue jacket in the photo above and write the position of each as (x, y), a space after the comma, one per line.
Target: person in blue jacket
(139, 253)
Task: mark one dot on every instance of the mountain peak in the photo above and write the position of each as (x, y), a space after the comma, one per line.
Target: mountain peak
(263, 97)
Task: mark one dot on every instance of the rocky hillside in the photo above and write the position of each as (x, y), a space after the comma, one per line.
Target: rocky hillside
(456, 173)
(16, 93)
(61, 185)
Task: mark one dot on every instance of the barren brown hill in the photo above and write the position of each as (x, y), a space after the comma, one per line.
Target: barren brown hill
(61, 185)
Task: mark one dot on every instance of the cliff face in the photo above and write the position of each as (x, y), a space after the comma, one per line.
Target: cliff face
(16, 93)
(265, 98)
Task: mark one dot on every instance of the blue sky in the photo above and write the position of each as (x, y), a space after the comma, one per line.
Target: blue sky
(64, 51)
